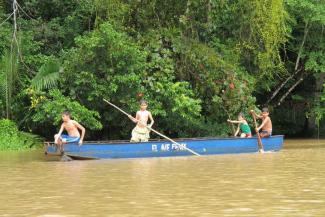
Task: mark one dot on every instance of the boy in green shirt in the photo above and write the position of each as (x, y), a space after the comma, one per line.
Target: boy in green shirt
(242, 126)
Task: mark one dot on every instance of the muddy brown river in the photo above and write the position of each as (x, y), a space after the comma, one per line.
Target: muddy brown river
(288, 183)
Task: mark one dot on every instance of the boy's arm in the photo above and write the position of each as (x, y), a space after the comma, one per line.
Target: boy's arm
(59, 134)
(237, 131)
(256, 115)
(151, 120)
(235, 122)
(263, 123)
(83, 131)
(135, 120)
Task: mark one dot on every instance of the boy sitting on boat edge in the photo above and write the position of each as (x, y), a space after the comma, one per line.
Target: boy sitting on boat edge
(266, 125)
(72, 127)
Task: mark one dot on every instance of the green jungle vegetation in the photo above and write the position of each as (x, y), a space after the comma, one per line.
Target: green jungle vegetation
(197, 63)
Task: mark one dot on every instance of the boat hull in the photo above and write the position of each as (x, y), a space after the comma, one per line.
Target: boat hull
(162, 148)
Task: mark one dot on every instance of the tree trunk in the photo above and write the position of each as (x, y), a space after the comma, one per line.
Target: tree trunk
(301, 48)
(306, 30)
(275, 93)
(209, 4)
(319, 84)
(291, 89)
(320, 78)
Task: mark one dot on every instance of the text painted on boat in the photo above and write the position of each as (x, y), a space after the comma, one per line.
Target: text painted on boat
(169, 147)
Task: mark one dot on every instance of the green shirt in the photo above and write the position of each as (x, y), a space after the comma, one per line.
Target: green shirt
(245, 128)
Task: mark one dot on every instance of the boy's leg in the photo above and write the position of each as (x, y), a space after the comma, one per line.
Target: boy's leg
(243, 135)
(140, 135)
(137, 137)
(133, 139)
(144, 138)
(56, 138)
(60, 142)
(265, 134)
(134, 136)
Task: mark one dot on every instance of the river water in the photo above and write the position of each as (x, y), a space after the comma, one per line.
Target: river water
(288, 183)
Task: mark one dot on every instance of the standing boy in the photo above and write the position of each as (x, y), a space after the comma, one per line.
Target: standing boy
(266, 125)
(141, 132)
(72, 127)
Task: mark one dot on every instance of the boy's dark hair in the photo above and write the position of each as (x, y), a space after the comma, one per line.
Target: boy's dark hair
(143, 102)
(265, 109)
(241, 115)
(67, 113)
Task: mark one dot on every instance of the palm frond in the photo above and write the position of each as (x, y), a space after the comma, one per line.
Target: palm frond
(47, 76)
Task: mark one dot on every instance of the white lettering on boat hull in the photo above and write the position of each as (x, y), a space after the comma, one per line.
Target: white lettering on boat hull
(168, 147)
(154, 148)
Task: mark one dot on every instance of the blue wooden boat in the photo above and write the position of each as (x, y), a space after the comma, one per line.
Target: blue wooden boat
(164, 148)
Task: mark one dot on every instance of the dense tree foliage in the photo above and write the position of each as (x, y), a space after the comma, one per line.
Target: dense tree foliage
(197, 62)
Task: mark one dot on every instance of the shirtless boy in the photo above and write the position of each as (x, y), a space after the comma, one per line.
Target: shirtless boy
(72, 127)
(141, 132)
(266, 125)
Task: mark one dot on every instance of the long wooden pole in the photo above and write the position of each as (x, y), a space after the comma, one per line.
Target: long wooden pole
(259, 140)
(155, 131)
(232, 126)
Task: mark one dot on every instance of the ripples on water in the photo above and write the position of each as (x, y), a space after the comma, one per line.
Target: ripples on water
(288, 183)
